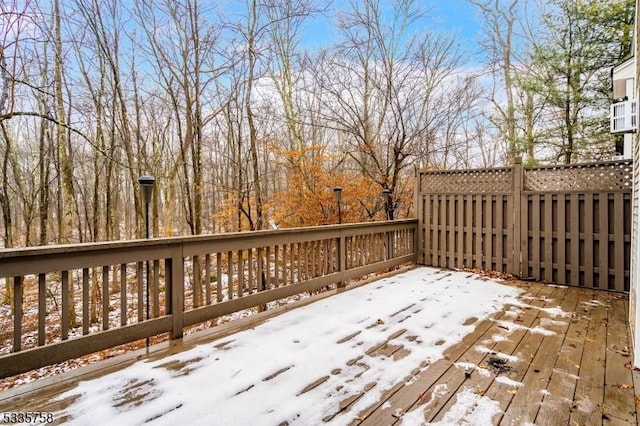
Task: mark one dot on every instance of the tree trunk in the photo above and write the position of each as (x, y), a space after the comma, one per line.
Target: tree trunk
(63, 153)
(253, 132)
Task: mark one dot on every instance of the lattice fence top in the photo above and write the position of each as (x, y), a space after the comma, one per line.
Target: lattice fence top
(580, 177)
(466, 181)
(606, 176)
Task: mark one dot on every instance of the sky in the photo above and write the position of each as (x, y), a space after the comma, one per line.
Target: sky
(449, 16)
(260, 376)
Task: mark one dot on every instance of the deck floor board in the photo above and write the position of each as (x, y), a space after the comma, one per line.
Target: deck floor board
(565, 357)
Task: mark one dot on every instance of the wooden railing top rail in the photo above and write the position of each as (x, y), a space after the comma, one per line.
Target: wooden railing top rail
(43, 259)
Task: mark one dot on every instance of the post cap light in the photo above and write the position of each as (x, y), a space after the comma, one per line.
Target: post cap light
(387, 195)
(146, 187)
(337, 191)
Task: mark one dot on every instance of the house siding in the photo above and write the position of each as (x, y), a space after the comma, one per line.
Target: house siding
(634, 320)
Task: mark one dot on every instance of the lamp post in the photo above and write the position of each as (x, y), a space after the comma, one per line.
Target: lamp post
(146, 191)
(388, 203)
(337, 191)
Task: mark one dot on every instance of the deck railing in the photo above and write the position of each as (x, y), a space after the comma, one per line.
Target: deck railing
(73, 300)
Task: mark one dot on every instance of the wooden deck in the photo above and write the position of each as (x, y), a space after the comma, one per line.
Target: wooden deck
(579, 375)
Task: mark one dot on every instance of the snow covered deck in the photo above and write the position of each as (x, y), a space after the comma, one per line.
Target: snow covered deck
(424, 346)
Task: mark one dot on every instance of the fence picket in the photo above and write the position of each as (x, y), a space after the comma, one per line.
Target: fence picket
(618, 241)
(574, 230)
(488, 234)
(604, 245)
(548, 238)
(468, 257)
(459, 230)
(561, 238)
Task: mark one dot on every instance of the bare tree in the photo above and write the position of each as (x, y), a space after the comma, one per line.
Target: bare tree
(387, 92)
(500, 19)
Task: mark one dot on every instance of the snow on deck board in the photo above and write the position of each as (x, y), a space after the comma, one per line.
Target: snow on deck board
(539, 353)
(392, 352)
(556, 404)
(425, 393)
(515, 344)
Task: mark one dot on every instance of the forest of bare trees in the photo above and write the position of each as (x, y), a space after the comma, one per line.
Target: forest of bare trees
(245, 124)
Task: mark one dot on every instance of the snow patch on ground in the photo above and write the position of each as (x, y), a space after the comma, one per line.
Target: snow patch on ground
(496, 338)
(509, 382)
(553, 312)
(511, 327)
(593, 303)
(485, 350)
(546, 322)
(585, 405)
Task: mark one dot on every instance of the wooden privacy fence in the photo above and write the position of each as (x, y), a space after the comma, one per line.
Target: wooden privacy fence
(101, 288)
(560, 224)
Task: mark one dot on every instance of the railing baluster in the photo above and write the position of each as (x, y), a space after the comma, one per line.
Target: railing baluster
(207, 277)
(168, 286)
(17, 313)
(230, 275)
(327, 257)
(267, 284)
(240, 274)
(306, 260)
(85, 301)
(195, 261)
(311, 259)
(140, 275)
(65, 305)
(123, 294)
(299, 263)
(177, 292)
(291, 264)
(261, 279)
(276, 266)
(251, 277)
(42, 308)
(219, 276)
(156, 288)
(105, 297)
(284, 265)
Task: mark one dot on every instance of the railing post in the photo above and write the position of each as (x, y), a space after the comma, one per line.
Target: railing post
(418, 207)
(516, 231)
(177, 291)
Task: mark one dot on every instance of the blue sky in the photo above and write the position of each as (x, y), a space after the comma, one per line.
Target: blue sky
(450, 16)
